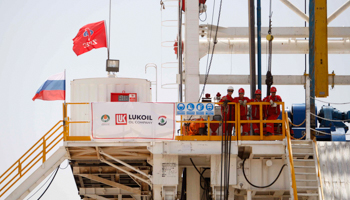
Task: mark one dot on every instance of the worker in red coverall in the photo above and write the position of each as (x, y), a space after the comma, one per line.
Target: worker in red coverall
(242, 100)
(227, 111)
(256, 111)
(273, 110)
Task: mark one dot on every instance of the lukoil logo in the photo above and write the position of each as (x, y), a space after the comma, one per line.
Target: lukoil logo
(162, 120)
(105, 118)
(121, 119)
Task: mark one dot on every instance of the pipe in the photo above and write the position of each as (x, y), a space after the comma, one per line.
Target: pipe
(295, 9)
(155, 66)
(249, 195)
(312, 60)
(259, 41)
(179, 48)
(307, 107)
(338, 12)
(252, 47)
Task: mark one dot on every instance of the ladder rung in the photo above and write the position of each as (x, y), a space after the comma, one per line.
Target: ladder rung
(301, 141)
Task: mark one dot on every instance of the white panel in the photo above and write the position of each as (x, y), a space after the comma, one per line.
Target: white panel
(99, 90)
(215, 170)
(335, 170)
(165, 169)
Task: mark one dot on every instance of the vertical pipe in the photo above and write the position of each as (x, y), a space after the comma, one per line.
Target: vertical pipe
(179, 48)
(307, 107)
(259, 41)
(312, 59)
(252, 47)
(249, 195)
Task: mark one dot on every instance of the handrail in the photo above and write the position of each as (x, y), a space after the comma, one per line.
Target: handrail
(238, 122)
(294, 184)
(66, 123)
(30, 158)
(319, 168)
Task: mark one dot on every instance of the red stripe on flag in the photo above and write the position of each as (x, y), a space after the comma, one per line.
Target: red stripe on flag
(50, 95)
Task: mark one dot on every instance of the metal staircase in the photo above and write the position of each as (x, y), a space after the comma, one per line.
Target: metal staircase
(306, 169)
(304, 166)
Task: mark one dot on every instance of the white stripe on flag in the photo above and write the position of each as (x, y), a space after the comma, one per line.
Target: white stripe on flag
(59, 76)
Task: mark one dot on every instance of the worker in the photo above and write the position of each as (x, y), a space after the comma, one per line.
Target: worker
(227, 110)
(256, 112)
(272, 111)
(242, 100)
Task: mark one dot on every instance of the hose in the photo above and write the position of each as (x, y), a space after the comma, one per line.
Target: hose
(262, 186)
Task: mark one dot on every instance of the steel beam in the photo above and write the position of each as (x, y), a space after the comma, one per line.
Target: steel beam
(338, 11)
(251, 47)
(103, 191)
(277, 79)
(278, 32)
(296, 10)
(286, 46)
(111, 183)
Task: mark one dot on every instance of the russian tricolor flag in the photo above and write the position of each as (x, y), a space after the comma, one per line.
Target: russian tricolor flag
(53, 88)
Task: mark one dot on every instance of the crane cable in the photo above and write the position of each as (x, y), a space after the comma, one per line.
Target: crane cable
(269, 37)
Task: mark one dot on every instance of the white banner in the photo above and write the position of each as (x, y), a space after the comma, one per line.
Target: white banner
(133, 120)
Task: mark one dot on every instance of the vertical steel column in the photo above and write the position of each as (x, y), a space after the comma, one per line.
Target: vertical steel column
(252, 47)
(321, 49)
(191, 51)
(179, 48)
(258, 12)
(312, 60)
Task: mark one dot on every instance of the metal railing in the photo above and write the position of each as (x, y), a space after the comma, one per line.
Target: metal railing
(318, 169)
(238, 122)
(294, 183)
(39, 151)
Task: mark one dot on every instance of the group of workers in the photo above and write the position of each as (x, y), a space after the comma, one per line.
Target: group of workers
(270, 112)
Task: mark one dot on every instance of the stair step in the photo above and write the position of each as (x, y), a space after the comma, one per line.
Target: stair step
(308, 194)
(303, 154)
(302, 147)
(303, 160)
(305, 173)
(307, 167)
(301, 141)
(307, 187)
(305, 180)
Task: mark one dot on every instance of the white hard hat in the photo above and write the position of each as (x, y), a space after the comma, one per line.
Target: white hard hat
(230, 88)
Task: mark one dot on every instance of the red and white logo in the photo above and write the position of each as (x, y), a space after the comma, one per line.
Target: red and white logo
(121, 119)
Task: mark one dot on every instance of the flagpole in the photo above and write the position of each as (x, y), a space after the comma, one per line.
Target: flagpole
(109, 31)
(65, 93)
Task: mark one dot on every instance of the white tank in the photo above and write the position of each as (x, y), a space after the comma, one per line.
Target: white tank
(99, 90)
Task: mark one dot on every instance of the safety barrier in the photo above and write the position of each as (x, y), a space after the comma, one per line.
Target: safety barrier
(66, 123)
(237, 122)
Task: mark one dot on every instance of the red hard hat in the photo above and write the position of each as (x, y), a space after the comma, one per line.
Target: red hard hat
(258, 91)
(273, 89)
(241, 90)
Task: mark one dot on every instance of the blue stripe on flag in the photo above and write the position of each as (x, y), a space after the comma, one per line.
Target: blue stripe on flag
(52, 85)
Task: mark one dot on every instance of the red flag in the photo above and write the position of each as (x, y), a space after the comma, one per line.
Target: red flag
(90, 36)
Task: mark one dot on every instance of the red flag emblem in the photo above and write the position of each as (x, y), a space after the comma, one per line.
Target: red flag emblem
(90, 36)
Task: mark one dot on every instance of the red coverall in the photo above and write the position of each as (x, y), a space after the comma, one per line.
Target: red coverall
(243, 113)
(256, 115)
(272, 113)
(226, 116)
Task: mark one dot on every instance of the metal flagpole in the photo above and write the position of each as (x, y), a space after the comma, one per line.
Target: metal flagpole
(109, 31)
